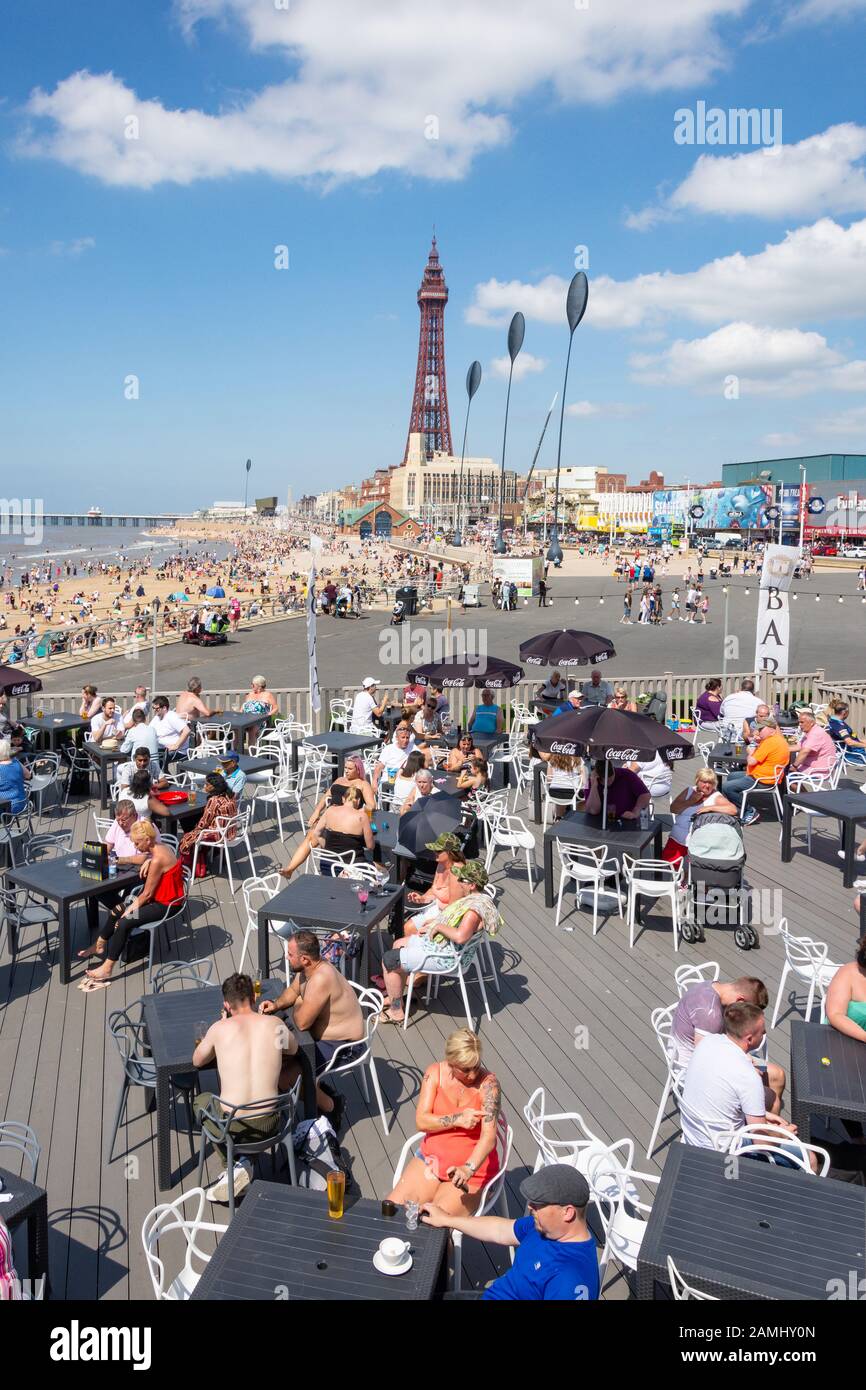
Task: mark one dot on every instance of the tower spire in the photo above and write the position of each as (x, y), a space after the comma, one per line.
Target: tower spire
(429, 416)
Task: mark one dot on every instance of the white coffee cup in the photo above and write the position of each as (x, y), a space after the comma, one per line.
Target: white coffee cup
(394, 1251)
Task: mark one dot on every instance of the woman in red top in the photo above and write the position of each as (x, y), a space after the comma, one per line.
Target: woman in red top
(163, 884)
(458, 1110)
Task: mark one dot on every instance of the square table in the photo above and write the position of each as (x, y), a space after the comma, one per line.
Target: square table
(848, 807)
(29, 1204)
(173, 1020)
(104, 759)
(52, 726)
(282, 1244)
(340, 744)
(328, 904)
(60, 881)
(774, 1233)
(580, 828)
(247, 762)
(838, 1090)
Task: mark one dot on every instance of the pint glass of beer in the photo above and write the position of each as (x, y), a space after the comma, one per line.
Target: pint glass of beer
(336, 1193)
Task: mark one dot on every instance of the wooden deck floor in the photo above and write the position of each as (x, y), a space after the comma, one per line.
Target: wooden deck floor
(59, 1071)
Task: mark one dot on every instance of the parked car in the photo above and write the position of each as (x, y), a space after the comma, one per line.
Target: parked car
(825, 548)
(854, 552)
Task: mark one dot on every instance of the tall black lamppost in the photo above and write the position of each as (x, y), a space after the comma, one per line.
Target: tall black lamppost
(575, 308)
(473, 381)
(247, 481)
(516, 330)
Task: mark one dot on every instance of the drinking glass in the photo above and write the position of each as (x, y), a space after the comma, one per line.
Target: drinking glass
(257, 989)
(363, 895)
(413, 1211)
(336, 1192)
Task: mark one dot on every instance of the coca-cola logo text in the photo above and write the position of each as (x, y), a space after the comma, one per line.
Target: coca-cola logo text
(622, 755)
(569, 750)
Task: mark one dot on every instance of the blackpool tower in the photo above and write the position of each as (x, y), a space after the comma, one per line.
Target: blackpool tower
(429, 416)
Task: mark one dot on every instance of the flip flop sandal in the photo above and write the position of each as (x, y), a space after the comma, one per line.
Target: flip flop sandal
(90, 986)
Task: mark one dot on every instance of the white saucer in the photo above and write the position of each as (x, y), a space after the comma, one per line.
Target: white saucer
(384, 1268)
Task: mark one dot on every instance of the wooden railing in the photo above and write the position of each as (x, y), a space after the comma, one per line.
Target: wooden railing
(682, 692)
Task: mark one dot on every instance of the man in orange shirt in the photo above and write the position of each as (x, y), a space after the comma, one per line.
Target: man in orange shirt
(770, 752)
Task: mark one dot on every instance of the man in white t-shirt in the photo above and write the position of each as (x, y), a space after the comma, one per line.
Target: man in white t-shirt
(106, 726)
(364, 707)
(171, 731)
(742, 704)
(722, 1089)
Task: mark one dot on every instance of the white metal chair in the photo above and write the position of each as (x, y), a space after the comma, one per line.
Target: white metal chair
(705, 972)
(225, 835)
(662, 1020)
(510, 832)
(768, 1141)
(325, 859)
(339, 712)
(578, 1147)
(493, 1195)
(622, 1211)
(807, 961)
(652, 878)
(443, 961)
(562, 799)
(282, 791)
(814, 782)
(215, 736)
(588, 867)
(682, 1291)
(767, 786)
(314, 763)
(258, 891)
(489, 807)
(158, 1224)
(372, 1003)
(102, 825)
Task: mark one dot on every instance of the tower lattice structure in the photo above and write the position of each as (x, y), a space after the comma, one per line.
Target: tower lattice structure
(429, 416)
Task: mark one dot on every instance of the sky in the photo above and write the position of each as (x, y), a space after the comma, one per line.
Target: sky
(215, 215)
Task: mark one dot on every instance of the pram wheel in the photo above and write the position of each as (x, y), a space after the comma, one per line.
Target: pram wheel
(691, 931)
(746, 937)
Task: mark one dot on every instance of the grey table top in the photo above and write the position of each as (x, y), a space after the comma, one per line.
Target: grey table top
(337, 740)
(247, 762)
(283, 1244)
(175, 1018)
(25, 1196)
(106, 755)
(839, 1087)
(317, 900)
(774, 1233)
(847, 805)
(60, 879)
(55, 721)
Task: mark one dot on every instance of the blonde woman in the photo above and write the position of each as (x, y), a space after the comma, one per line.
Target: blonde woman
(621, 701)
(703, 795)
(259, 700)
(163, 884)
(458, 1109)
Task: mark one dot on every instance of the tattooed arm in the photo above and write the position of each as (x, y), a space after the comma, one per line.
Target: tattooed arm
(491, 1096)
(431, 1123)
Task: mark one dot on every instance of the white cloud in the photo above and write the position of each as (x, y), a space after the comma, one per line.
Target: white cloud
(365, 79)
(524, 365)
(822, 174)
(783, 362)
(72, 248)
(780, 440)
(606, 410)
(813, 273)
(848, 423)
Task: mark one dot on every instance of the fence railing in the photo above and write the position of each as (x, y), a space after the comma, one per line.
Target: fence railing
(682, 692)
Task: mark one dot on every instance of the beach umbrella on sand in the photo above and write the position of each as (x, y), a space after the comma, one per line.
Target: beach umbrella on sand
(566, 647)
(425, 821)
(216, 591)
(489, 673)
(616, 735)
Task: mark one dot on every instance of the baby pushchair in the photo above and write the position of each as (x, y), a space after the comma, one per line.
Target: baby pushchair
(717, 893)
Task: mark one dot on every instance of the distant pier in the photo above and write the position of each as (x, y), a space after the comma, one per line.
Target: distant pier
(84, 519)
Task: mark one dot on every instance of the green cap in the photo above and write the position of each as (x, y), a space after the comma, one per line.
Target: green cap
(447, 843)
(473, 871)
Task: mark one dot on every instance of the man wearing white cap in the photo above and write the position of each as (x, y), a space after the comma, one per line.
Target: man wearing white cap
(365, 707)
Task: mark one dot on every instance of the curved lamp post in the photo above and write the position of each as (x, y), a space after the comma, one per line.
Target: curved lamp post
(249, 465)
(516, 330)
(575, 308)
(473, 381)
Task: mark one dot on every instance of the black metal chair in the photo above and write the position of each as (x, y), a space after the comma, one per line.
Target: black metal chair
(195, 973)
(220, 1135)
(20, 912)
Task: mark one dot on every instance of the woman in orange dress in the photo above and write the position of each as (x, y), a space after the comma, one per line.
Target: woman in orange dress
(458, 1110)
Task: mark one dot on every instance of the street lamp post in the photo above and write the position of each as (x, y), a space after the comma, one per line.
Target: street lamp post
(575, 308)
(802, 505)
(247, 481)
(516, 331)
(473, 381)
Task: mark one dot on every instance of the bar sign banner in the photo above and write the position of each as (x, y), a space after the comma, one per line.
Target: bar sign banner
(772, 639)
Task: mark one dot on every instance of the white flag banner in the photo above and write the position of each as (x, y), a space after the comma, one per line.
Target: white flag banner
(315, 696)
(772, 638)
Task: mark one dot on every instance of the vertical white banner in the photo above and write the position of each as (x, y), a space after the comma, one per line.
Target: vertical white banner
(772, 638)
(315, 697)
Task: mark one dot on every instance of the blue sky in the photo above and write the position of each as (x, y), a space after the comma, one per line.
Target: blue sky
(727, 282)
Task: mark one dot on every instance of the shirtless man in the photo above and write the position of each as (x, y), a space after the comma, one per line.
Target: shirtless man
(249, 1051)
(325, 1005)
(190, 705)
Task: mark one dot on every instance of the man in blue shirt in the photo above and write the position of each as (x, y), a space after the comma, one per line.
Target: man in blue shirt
(557, 1257)
(235, 777)
(571, 703)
